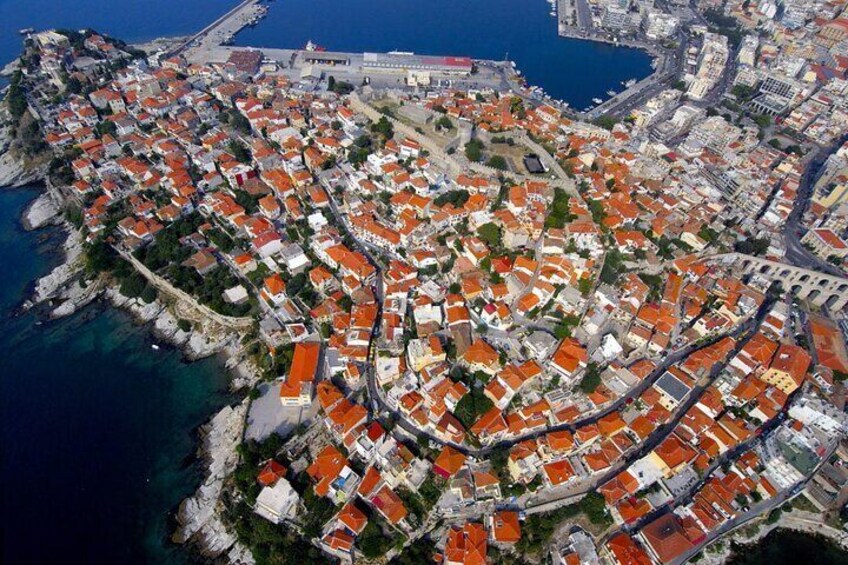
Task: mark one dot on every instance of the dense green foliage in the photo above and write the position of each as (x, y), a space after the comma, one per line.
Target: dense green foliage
(591, 378)
(490, 233)
(15, 97)
(613, 266)
(474, 150)
(559, 213)
(456, 197)
(383, 127)
(497, 162)
(472, 406)
(538, 528)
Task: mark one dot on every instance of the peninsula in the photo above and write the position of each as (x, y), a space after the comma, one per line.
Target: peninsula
(469, 323)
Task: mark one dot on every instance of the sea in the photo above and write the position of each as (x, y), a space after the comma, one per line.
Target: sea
(98, 431)
(522, 31)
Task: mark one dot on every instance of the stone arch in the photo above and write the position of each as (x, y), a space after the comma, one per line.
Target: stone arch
(831, 300)
(764, 269)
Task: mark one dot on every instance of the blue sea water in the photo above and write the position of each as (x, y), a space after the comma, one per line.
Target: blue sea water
(97, 430)
(130, 20)
(573, 70)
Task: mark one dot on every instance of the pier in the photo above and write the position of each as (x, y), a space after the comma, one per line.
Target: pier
(212, 45)
(221, 31)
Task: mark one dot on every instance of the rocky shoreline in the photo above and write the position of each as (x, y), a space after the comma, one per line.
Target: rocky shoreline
(66, 290)
(199, 516)
(721, 551)
(14, 172)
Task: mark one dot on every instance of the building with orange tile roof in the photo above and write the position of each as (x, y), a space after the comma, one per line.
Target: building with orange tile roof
(333, 478)
(467, 545)
(667, 539)
(352, 518)
(449, 462)
(569, 357)
(504, 527)
(623, 550)
(389, 505)
(788, 368)
(297, 388)
(480, 356)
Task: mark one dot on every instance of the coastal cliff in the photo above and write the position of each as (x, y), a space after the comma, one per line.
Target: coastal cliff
(15, 169)
(199, 515)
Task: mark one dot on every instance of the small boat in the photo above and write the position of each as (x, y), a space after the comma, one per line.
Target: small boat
(597, 100)
(553, 13)
(154, 347)
(26, 31)
(630, 83)
(611, 92)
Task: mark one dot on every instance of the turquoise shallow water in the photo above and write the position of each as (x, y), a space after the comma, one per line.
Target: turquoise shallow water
(98, 431)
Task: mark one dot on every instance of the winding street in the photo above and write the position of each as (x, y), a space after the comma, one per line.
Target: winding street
(793, 231)
(378, 402)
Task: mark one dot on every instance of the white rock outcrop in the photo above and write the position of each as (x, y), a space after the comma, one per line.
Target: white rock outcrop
(198, 517)
(41, 212)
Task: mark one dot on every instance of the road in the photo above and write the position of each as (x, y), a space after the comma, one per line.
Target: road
(743, 334)
(755, 510)
(793, 231)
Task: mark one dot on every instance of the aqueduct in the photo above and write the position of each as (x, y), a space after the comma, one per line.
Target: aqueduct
(820, 289)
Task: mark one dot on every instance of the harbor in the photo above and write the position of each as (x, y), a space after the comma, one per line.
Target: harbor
(231, 32)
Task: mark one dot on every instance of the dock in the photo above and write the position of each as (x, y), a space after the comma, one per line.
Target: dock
(221, 31)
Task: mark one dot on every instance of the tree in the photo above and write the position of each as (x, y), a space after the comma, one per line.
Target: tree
(372, 541)
(472, 406)
(490, 233)
(584, 285)
(474, 150)
(383, 127)
(497, 162)
(605, 121)
(238, 121)
(133, 286)
(104, 127)
(456, 197)
(15, 98)
(239, 151)
(149, 294)
(444, 122)
(591, 379)
(595, 508)
(742, 91)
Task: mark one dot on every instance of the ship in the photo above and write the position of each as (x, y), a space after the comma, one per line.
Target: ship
(311, 46)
